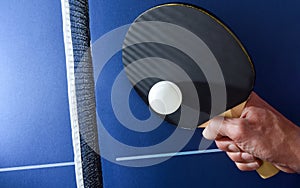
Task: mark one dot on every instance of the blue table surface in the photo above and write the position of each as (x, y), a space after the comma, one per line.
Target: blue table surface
(34, 116)
(34, 111)
(268, 30)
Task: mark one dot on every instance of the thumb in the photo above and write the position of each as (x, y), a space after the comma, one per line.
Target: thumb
(212, 131)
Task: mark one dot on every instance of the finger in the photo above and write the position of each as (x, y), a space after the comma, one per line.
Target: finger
(285, 169)
(230, 127)
(241, 157)
(212, 131)
(248, 166)
(226, 144)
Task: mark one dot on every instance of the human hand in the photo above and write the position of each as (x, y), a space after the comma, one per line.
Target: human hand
(261, 133)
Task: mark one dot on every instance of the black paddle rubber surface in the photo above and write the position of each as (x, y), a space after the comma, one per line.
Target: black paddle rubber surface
(191, 48)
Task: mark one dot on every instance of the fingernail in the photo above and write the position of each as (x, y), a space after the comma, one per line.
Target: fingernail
(206, 134)
(253, 165)
(233, 148)
(211, 131)
(247, 156)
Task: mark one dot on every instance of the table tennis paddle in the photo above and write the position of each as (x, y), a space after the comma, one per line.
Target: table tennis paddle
(188, 67)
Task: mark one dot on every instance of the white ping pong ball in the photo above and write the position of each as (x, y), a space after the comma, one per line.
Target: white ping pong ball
(165, 97)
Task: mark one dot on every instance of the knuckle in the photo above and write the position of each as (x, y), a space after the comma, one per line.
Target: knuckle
(240, 157)
(238, 134)
(234, 156)
(224, 143)
(221, 145)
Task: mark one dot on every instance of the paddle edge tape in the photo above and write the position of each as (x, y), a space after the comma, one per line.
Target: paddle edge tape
(75, 17)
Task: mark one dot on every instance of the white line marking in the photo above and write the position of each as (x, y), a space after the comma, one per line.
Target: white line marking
(152, 156)
(31, 167)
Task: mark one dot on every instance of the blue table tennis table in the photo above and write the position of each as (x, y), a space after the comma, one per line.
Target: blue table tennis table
(36, 141)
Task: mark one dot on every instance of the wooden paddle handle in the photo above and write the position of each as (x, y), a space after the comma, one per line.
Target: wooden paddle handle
(266, 170)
